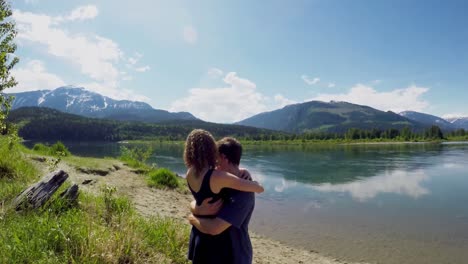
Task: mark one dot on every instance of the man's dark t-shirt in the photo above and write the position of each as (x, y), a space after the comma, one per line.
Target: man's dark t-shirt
(237, 210)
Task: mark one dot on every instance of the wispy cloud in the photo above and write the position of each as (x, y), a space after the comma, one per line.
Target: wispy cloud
(79, 13)
(97, 57)
(309, 81)
(215, 73)
(331, 85)
(283, 101)
(398, 100)
(34, 76)
(143, 69)
(190, 34)
(454, 115)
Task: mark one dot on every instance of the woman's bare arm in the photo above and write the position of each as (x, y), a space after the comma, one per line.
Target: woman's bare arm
(222, 179)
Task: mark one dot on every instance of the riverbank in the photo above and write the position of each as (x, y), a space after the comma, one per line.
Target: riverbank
(152, 202)
(247, 143)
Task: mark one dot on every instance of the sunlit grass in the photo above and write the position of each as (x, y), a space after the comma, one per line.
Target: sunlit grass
(97, 229)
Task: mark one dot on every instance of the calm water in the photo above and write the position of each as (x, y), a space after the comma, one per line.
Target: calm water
(376, 203)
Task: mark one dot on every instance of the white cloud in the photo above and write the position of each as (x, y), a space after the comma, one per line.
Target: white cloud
(79, 13)
(454, 115)
(331, 85)
(215, 73)
(238, 100)
(119, 94)
(190, 34)
(397, 100)
(396, 182)
(97, 57)
(283, 101)
(307, 80)
(34, 76)
(143, 68)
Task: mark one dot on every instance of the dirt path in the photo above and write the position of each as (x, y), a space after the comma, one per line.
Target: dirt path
(155, 202)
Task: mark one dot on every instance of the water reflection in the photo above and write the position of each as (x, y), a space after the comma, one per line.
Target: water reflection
(338, 164)
(394, 182)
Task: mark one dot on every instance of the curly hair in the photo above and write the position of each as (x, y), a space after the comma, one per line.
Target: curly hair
(200, 150)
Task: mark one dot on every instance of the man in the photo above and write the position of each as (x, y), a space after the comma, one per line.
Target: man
(232, 216)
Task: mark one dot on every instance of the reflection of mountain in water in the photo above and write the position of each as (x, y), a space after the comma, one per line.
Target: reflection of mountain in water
(341, 164)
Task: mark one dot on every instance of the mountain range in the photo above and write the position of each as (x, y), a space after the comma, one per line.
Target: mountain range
(78, 100)
(429, 120)
(332, 117)
(41, 123)
(459, 122)
(313, 116)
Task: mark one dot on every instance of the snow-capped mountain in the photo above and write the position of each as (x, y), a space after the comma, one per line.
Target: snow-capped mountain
(78, 100)
(429, 120)
(460, 122)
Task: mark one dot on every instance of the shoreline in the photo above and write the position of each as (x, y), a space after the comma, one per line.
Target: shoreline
(151, 202)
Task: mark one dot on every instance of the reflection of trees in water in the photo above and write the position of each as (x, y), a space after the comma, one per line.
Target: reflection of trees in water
(317, 164)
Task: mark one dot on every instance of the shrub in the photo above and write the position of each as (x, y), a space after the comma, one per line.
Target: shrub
(162, 177)
(136, 157)
(57, 149)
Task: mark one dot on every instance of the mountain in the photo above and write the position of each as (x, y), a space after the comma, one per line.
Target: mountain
(334, 117)
(459, 122)
(78, 100)
(429, 120)
(40, 123)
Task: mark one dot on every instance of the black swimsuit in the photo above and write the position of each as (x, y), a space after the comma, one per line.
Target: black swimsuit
(204, 248)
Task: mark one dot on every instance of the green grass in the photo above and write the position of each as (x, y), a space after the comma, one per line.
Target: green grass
(163, 177)
(94, 163)
(98, 229)
(136, 157)
(15, 171)
(57, 149)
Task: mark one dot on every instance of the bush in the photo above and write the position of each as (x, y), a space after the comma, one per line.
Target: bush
(136, 157)
(57, 149)
(40, 147)
(162, 177)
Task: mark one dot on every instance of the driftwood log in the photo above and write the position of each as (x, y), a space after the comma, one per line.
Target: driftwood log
(37, 194)
(70, 194)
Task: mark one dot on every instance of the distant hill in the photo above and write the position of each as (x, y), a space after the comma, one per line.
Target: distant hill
(333, 117)
(429, 120)
(40, 123)
(459, 122)
(78, 100)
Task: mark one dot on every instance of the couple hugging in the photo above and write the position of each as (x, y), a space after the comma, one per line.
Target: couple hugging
(224, 200)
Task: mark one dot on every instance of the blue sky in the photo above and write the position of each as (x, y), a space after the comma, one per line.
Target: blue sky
(227, 60)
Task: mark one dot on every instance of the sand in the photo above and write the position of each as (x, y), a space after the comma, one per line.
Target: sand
(175, 204)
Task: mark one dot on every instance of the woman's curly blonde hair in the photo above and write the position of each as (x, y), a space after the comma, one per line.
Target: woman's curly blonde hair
(200, 150)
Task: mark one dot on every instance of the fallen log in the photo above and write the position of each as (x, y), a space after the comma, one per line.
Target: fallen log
(70, 194)
(37, 195)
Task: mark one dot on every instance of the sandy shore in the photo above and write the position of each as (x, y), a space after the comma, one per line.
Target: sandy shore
(155, 202)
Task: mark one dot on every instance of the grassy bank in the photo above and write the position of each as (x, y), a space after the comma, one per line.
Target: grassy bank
(100, 228)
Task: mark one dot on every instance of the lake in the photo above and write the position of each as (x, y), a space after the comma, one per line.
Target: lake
(403, 203)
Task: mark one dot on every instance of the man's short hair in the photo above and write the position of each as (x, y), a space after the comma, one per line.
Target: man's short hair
(231, 148)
